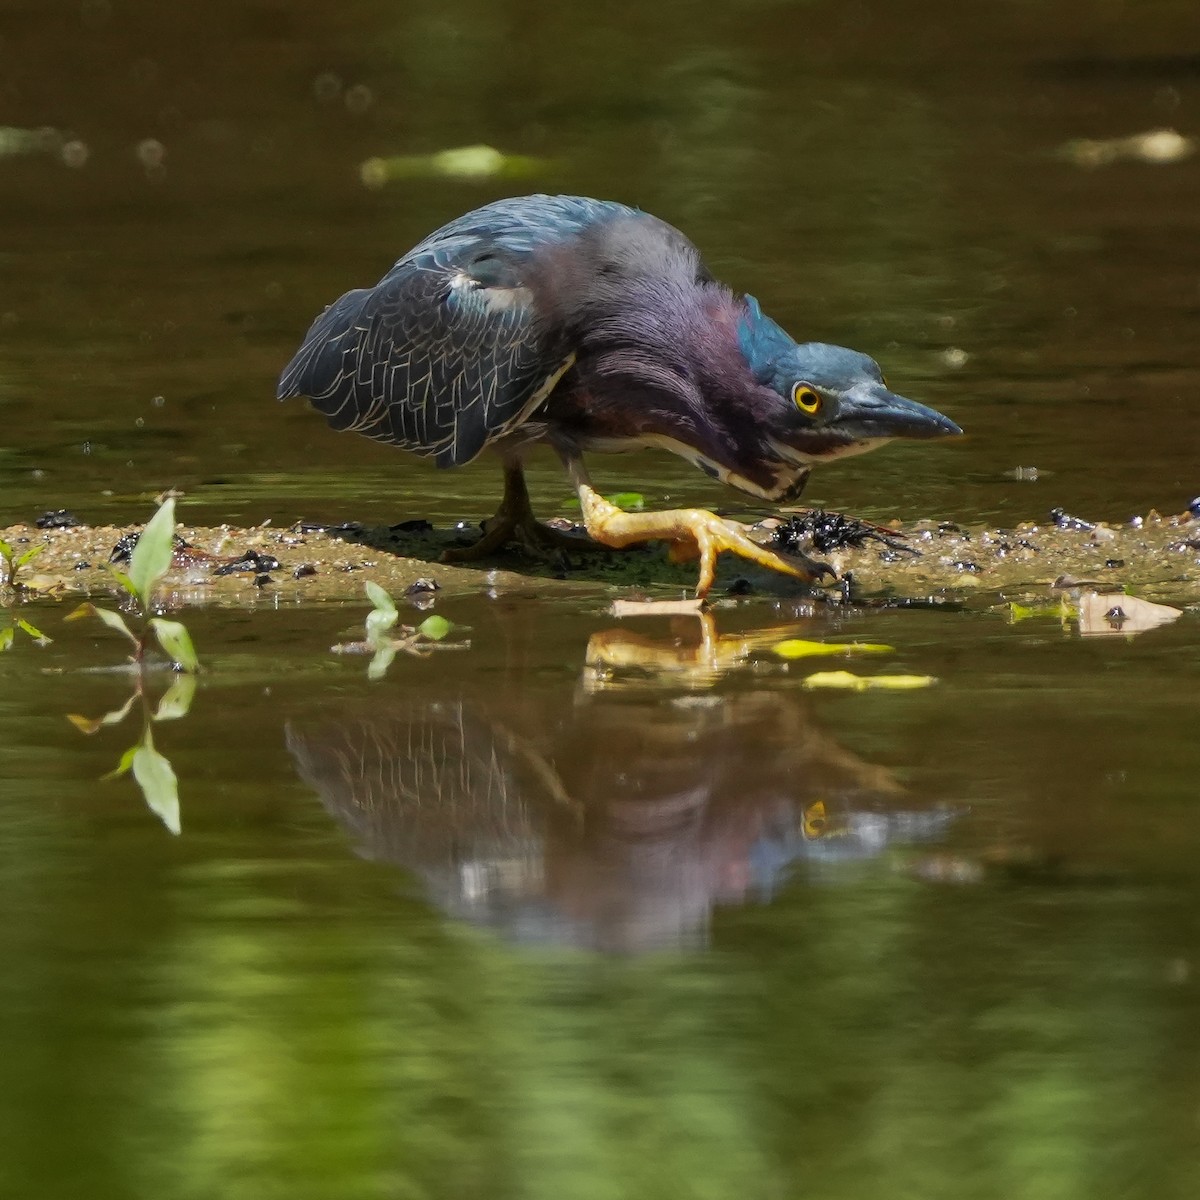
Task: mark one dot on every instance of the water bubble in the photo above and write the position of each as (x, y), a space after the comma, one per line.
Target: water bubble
(150, 153)
(74, 153)
(86, 447)
(1162, 146)
(139, 422)
(374, 172)
(159, 401)
(359, 98)
(327, 87)
(952, 356)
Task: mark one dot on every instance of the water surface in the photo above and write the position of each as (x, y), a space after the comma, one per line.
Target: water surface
(600, 910)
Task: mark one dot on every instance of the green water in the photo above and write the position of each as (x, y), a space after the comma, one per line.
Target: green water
(496, 925)
(506, 923)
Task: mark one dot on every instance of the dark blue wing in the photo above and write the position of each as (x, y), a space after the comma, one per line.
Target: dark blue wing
(448, 351)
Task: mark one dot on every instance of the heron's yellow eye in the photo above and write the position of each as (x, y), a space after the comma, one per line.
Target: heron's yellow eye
(815, 820)
(805, 399)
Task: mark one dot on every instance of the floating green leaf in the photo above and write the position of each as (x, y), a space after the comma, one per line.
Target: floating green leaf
(174, 638)
(156, 778)
(860, 683)
(434, 628)
(1024, 612)
(459, 162)
(630, 501)
(151, 557)
(33, 631)
(800, 648)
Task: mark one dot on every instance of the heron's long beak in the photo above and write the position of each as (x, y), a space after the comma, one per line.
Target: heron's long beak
(871, 411)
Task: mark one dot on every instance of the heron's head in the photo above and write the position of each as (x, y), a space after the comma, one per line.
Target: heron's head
(822, 401)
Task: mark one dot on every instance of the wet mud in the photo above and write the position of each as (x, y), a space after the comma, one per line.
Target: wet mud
(1153, 556)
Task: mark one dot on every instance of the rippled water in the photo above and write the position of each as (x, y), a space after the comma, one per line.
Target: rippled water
(596, 909)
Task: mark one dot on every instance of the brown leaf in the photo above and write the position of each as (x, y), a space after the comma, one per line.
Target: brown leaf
(1106, 613)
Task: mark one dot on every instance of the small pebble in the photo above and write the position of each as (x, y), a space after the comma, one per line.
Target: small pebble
(419, 586)
(1064, 520)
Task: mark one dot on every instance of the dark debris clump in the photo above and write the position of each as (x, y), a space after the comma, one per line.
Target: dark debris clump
(59, 518)
(123, 550)
(1064, 520)
(420, 587)
(252, 560)
(824, 531)
(350, 528)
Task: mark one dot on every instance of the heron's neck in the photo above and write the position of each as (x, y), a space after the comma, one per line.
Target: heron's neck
(665, 368)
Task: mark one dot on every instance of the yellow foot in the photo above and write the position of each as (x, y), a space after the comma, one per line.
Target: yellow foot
(692, 532)
(504, 529)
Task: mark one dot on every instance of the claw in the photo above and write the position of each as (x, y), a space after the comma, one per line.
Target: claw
(692, 532)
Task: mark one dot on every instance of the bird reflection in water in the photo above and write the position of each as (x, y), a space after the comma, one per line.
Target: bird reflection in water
(616, 814)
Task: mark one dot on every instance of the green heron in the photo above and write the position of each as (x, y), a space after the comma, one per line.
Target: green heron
(588, 325)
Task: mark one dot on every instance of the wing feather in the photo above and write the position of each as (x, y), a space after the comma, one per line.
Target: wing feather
(448, 351)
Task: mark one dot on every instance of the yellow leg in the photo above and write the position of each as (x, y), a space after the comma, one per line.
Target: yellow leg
(692, 532)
